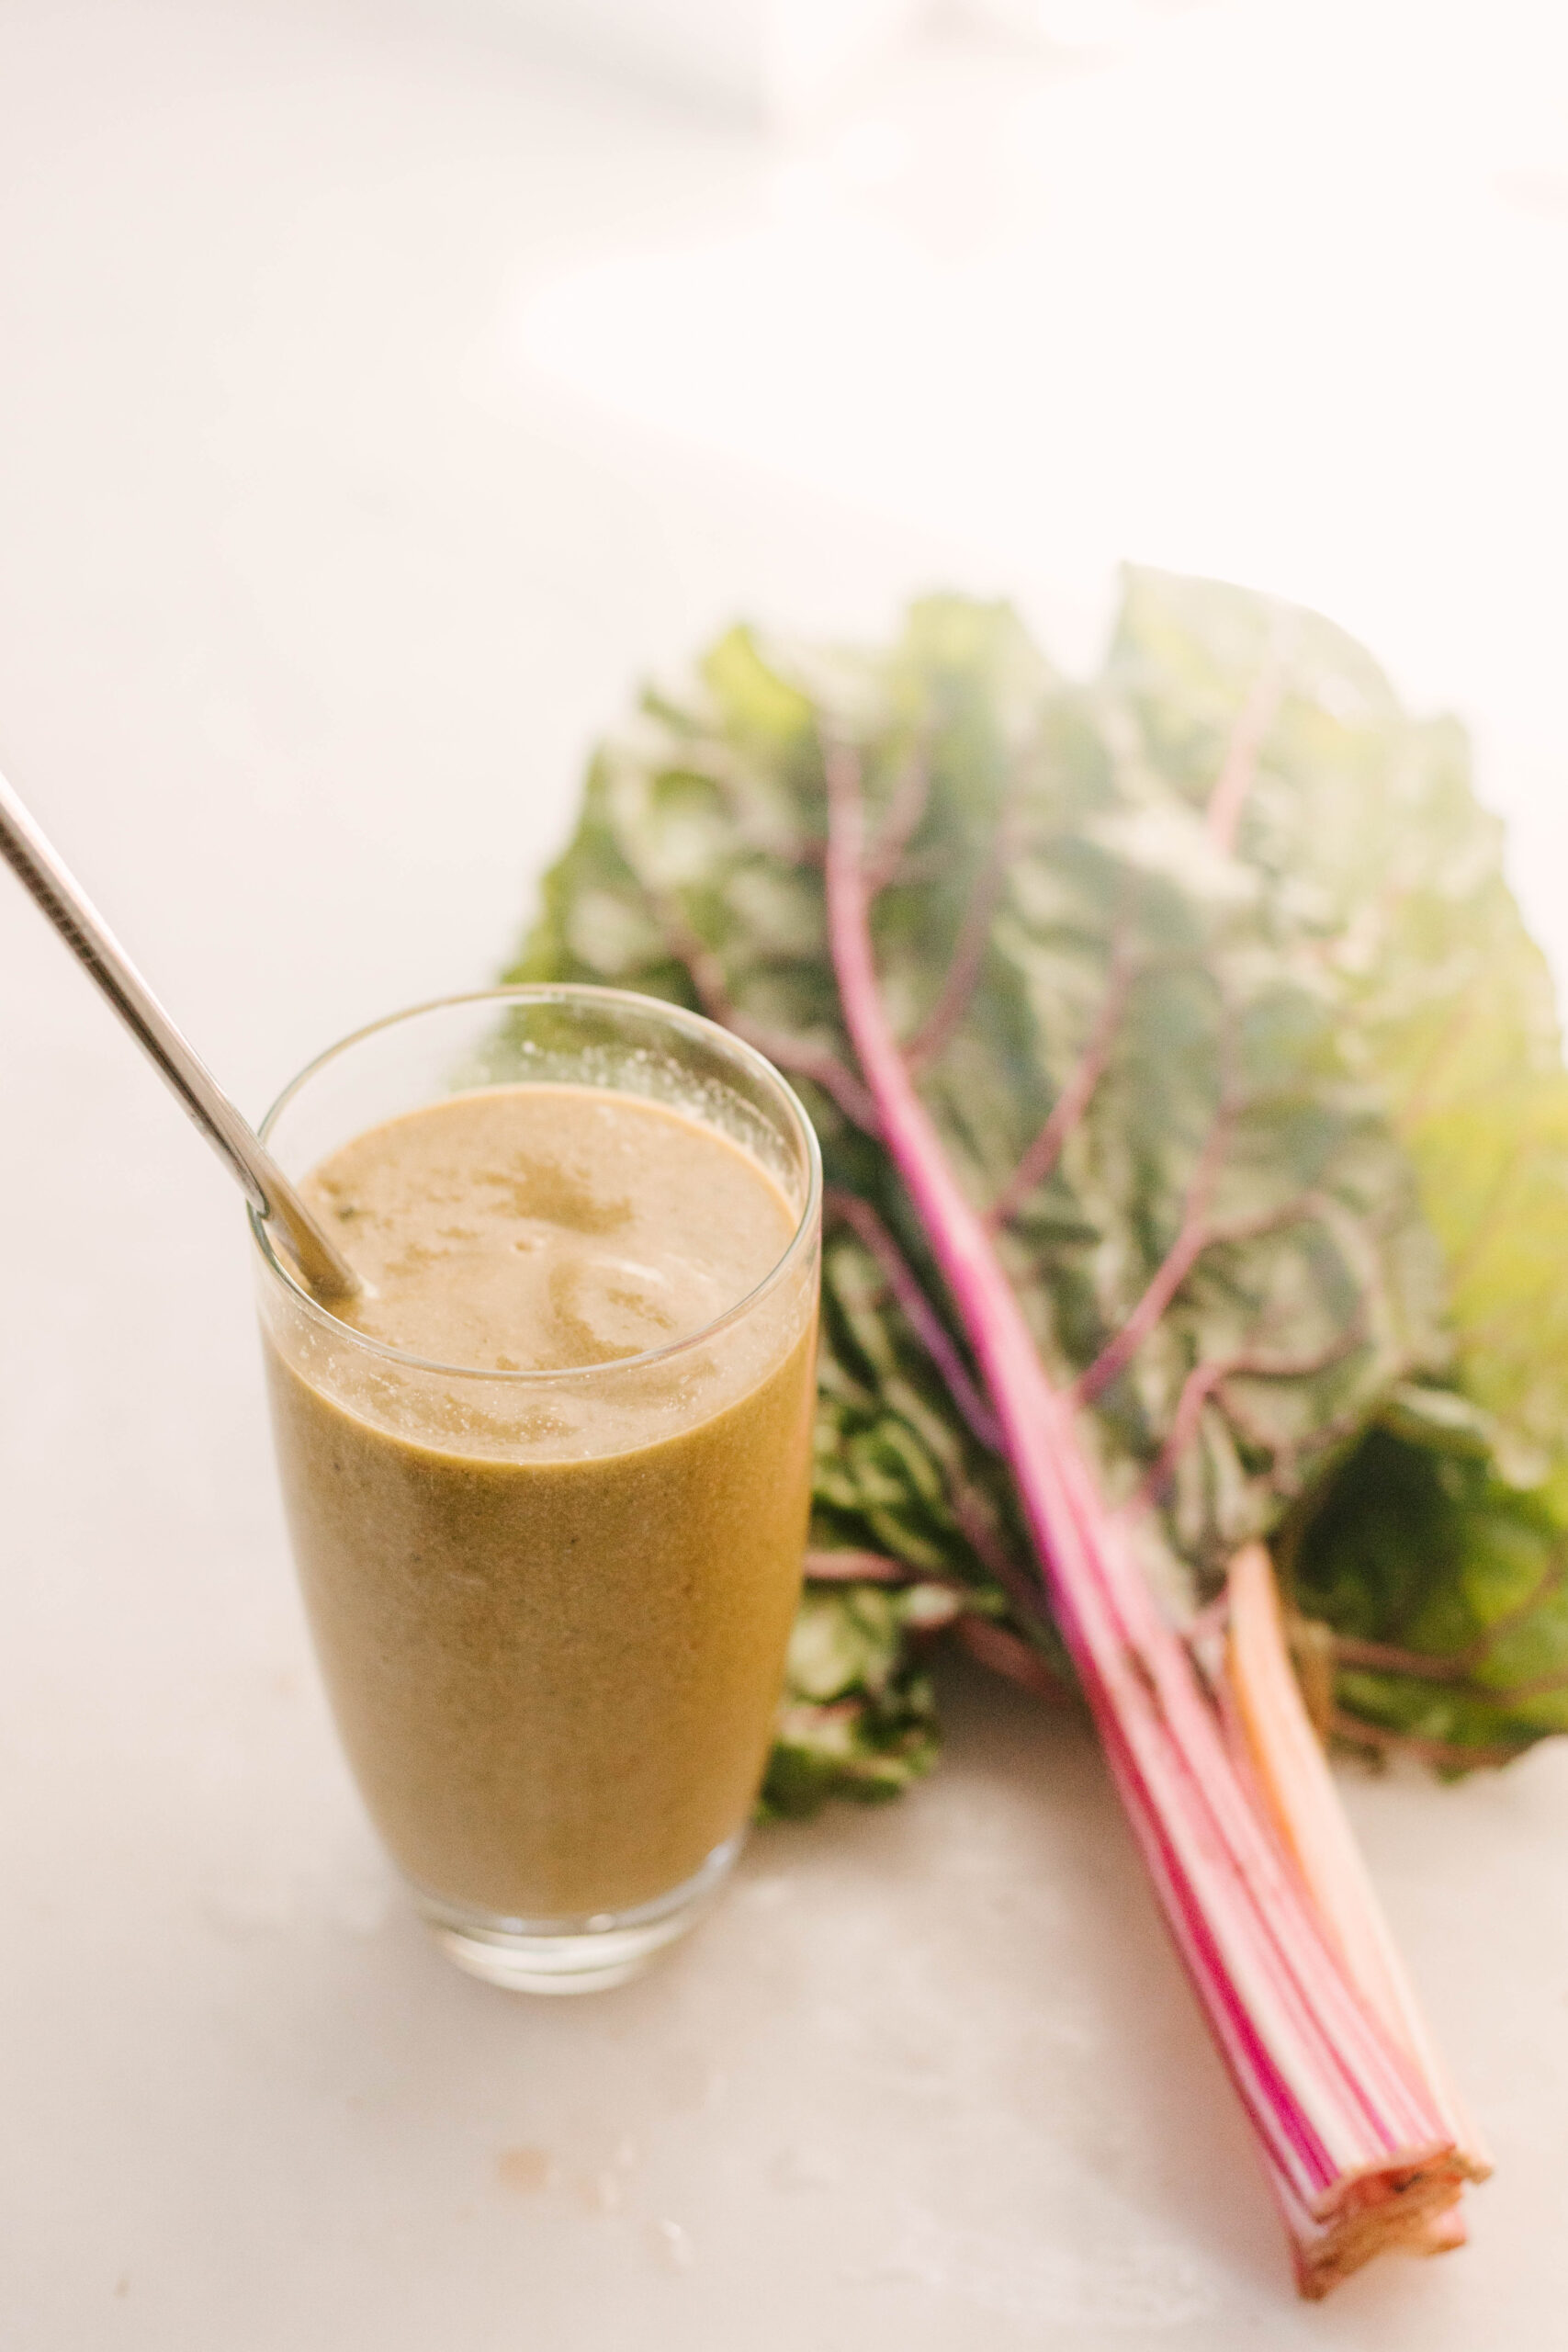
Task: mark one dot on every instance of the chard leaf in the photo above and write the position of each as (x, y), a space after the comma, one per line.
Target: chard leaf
(1268, 1104)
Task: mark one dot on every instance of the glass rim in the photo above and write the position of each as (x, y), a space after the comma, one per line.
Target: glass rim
(695, 1026)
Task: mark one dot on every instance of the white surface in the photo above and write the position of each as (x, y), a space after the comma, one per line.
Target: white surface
(760, 60)
(374, 406)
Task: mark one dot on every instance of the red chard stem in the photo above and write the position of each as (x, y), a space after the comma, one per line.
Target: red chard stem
(1355, 2142)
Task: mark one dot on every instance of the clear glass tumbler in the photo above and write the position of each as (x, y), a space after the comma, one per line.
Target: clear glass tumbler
(551, 1608)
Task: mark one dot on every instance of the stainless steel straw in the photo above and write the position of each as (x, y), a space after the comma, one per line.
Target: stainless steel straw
(265, 1186)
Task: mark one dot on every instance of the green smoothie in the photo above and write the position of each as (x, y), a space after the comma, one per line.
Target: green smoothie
(551, 1610)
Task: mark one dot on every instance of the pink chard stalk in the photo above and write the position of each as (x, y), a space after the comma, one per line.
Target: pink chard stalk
(1232, 1807)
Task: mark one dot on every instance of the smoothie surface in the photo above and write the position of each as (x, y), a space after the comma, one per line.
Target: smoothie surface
(535, 1229)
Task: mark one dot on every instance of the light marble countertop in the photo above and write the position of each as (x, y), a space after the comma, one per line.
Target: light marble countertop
(333, 520)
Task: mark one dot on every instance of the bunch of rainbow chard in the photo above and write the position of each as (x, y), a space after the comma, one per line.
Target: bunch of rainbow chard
(1197, 1142)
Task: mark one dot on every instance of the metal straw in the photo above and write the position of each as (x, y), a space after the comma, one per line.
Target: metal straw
(265, 1186)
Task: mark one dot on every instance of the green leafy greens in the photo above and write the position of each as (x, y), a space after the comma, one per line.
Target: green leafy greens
(1222, 1004)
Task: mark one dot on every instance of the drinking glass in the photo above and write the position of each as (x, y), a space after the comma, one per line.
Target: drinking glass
(551, 1608)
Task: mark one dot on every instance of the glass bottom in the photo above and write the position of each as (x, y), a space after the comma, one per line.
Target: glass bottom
(587, 1955)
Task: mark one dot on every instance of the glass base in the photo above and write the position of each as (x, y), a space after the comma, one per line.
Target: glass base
(588, 1955)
